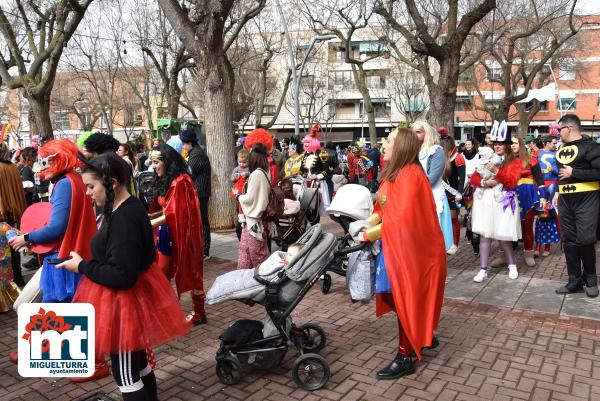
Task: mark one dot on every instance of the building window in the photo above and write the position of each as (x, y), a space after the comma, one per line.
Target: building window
(345, 110)
(568, 73)
(494, 73)
(24, 121)
(307, 81)
(414, 106)
(62, 120)
(492, 104)
(133, 116)
(341, 80)
(336, 53)
(567, 104)
(463, 103)
(383, 108)
(85, 119)
(543, 106)
(269, 110)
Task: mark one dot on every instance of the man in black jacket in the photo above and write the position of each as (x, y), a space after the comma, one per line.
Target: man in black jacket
(201, 173)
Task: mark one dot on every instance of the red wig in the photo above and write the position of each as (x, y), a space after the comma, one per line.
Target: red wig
(259, 135)
(63, 154)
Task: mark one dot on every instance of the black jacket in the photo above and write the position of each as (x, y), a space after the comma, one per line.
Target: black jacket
(201, 171)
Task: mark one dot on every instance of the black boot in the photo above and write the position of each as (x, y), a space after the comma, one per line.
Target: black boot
(588, 259)
(400, 366)
(434, 343)
(575, 283)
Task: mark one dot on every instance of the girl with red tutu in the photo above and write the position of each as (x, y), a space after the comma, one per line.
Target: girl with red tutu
(135, 305)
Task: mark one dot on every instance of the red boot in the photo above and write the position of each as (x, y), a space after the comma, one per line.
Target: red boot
(101, 370)
(198, 315)
(14, 357)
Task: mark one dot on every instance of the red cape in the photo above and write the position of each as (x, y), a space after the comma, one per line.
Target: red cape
(414, 253)
(82, 221)
(182, 211)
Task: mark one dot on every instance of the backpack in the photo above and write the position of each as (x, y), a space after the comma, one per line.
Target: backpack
(276, 203)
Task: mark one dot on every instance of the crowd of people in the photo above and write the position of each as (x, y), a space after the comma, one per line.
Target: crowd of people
(119, 253)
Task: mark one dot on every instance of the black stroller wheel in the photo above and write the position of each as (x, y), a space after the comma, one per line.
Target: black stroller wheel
(326, 284)
(229, 370)
(310, 372)
(314, 337)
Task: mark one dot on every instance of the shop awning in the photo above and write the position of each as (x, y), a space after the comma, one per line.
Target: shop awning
(373, 47)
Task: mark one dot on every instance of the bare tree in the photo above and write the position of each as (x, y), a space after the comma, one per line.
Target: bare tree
(35, 35)
(74, 95)
(207, 29)
(410, 93)
(345, 19)
(439, 30)
(529, 34)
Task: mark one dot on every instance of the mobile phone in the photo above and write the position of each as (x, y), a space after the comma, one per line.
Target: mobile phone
(52, 261)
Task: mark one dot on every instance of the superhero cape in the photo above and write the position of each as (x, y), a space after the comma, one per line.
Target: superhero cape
(82, 221)
(182, 211)
(238, 187)
(415, 255)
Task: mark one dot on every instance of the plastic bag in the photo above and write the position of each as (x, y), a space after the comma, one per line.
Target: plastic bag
(360, 277)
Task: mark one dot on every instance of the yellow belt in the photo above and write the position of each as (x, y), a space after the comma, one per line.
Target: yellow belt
(525, 181)
(579, 187)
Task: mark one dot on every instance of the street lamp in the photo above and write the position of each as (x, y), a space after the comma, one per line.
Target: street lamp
(318, 38)
(295, 77)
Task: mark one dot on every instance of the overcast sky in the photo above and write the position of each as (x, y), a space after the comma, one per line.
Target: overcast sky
(590, 6)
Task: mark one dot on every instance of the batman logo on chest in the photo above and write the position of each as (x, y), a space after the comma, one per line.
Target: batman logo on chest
(567, 154)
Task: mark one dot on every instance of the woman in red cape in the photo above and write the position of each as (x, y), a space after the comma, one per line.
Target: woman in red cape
(406, 220)
(180, 240)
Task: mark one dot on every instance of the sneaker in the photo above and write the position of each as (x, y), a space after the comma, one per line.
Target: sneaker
(452, 250)
(482, 275)
(206, 257)
(512, 272)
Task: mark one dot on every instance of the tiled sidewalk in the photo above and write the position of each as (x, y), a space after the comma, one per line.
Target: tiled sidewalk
(487, 352)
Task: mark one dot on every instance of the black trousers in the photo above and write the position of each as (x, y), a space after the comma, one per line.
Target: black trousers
(205, 224)
(578, 215)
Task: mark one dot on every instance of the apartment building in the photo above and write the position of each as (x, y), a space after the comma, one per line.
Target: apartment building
(571, 86)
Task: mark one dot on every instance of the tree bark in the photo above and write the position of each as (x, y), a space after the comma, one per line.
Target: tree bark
(219, 138)
(443, 97)
(40, 106)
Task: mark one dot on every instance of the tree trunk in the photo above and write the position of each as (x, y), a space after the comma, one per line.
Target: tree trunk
(443, 97)
(174, 94)
(219, 139)
(40, 106)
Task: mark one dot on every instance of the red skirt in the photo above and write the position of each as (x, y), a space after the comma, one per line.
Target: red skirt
(146, 315)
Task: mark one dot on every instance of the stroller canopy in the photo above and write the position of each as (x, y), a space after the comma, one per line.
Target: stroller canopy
(352, 200)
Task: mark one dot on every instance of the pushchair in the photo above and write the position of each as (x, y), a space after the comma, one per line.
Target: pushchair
(144, 183)
(240, 352)
(291, 226)
(351, 202)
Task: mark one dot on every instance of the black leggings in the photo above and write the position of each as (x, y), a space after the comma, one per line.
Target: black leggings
(134, 376)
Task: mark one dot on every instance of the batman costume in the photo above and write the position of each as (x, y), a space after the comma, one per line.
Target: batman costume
(578, 207)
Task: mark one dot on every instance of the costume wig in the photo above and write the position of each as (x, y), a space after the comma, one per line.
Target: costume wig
(259, 135)
(57, 156)
(174, 163)
(311, 142)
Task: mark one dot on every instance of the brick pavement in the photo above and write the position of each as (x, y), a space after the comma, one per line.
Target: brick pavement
(486, 353)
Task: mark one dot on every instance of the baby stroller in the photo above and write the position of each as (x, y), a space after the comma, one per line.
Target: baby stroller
(244, 346)
(352, 202)
(144, 182)
(291, 226)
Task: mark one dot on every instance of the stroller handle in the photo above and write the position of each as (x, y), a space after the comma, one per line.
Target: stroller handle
(351, 249)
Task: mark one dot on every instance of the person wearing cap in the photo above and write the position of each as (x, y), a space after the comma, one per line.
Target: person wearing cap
(201, 173)
(493, 219)
(578, 201)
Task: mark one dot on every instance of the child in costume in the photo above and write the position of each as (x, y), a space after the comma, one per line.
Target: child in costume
(8, 290)
(240, 174)
(487, 155)
(135, 306)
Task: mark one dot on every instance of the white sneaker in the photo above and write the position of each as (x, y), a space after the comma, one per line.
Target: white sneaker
(512, 272)
(452, 250)
(482, 275)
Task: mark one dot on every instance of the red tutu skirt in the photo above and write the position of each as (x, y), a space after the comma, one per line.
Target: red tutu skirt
(146, 315)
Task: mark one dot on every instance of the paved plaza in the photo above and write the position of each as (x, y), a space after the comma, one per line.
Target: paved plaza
(499, 340)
